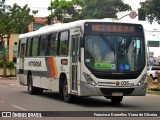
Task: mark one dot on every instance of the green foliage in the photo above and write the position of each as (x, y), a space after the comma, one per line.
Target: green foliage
(103, 8)
(152, 8)
(15, 20)
(21, 18)
(9, 64)
(153, 92)
(67, 11)
(141, 14)
(63, 10)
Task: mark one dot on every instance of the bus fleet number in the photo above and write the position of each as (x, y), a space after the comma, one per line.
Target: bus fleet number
(126, 83)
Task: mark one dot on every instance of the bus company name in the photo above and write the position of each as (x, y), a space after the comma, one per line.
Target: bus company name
(110, 83)
(35, 63)
(106, 82)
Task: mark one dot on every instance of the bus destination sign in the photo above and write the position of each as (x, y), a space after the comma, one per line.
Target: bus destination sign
(112, 27)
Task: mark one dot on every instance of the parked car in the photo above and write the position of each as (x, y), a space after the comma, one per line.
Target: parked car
(153, 72)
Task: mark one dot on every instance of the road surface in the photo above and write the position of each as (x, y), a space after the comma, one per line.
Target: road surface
(14, 97)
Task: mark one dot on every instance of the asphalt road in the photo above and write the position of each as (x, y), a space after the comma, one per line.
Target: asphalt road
(14, 97)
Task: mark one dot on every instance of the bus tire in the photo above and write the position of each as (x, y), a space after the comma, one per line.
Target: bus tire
(116, 99)
(67, 97)
(33, 90)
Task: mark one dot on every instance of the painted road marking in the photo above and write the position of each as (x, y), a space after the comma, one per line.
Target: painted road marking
(18, 107)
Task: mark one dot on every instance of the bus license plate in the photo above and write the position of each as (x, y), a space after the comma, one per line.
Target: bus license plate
(117, 94)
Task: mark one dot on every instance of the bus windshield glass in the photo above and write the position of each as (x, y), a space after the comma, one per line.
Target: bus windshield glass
(114, 51)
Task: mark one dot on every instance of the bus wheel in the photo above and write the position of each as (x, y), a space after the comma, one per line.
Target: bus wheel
(66, 95)
(116, 99)
(33, 90)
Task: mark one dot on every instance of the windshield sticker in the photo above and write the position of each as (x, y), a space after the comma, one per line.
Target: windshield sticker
(113, 66)
(137, 44)
(87, 60)
(104, 66)
(124, 67)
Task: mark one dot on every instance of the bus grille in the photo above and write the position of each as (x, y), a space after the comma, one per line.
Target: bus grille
(109, 91)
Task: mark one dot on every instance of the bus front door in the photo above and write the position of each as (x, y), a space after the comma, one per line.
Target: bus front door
(75, 63)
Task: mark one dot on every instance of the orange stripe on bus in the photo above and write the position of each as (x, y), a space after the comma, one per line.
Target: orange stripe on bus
(53, 67)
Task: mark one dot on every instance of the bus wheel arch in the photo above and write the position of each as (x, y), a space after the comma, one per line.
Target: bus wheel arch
(61, 82)
(63, 88)
(28, 74)
(30, 83)
(31, 89)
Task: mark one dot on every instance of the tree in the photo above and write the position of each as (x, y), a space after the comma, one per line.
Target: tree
(103, 8)
(15, 20)
(68, 11)
(63, 10)
(151, 8)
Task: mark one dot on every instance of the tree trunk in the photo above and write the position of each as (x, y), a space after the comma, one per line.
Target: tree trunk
(4, 60)
(4, 67)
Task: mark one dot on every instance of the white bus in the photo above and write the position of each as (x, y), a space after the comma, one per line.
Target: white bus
(84, 58)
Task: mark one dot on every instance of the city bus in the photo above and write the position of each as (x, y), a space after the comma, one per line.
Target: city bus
(84, 58)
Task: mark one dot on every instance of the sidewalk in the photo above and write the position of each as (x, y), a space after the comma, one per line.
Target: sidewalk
(8, 78)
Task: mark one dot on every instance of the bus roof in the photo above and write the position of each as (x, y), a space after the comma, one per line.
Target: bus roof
(64, 26)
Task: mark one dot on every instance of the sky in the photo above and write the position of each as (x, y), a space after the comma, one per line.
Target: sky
(42, 5)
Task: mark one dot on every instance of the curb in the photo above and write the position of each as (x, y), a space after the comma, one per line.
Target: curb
(8, 78)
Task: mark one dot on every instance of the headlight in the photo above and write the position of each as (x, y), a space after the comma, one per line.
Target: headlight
(143, 79)
(89, 79)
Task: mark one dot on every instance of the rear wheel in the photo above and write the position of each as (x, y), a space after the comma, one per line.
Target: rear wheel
(31, 89)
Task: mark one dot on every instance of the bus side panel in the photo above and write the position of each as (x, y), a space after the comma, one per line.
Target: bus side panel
(20, 73)
(57, 68)
(37, 68)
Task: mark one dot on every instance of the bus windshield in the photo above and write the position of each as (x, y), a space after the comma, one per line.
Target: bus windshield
(119, 53)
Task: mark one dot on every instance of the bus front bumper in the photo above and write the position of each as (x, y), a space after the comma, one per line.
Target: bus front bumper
(89, 90)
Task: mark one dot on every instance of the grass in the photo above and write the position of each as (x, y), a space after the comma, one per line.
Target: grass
(155, 92)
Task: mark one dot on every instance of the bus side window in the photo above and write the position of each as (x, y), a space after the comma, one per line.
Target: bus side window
(64, 36)
(35, 46)
(52, 48)
(28, 48)
(43, 45)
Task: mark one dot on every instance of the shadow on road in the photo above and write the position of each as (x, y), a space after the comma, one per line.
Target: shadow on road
(86, 101)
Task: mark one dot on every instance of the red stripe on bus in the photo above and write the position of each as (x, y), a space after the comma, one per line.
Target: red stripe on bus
(52, 67)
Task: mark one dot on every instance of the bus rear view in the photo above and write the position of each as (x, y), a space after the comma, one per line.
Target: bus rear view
(114, 60)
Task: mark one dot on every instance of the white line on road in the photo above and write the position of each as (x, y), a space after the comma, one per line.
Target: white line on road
(19, 107)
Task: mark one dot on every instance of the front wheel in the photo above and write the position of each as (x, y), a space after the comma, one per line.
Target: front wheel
(152, 76)
(116, 99)
(67, 97)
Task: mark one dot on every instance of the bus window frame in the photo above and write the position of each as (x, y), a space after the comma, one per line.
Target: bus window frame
(30, 50)
(36, 46)
(59, 40)
(46, 48)
(49, 42)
